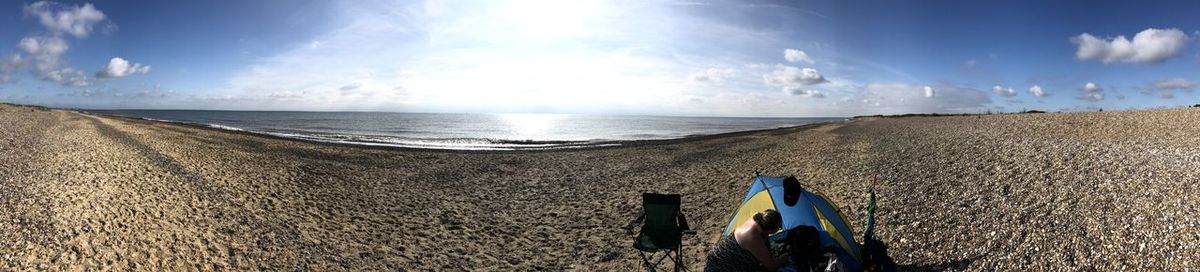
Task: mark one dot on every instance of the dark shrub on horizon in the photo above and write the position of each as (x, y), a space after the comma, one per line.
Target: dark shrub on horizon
(30, 107)
(915, 115)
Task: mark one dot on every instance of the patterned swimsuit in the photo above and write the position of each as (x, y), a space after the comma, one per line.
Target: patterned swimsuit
(727, 255)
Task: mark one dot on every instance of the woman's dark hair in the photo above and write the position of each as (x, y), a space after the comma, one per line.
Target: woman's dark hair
(770, 220)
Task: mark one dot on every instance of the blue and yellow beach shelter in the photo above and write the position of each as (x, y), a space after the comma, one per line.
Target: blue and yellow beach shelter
(799, 207)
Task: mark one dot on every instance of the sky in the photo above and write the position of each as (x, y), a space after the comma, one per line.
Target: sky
(688, 58)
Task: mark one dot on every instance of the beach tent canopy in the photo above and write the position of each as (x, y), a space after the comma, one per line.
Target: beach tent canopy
(799, 207)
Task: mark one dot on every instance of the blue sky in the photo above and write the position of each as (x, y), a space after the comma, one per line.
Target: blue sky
(723, 58)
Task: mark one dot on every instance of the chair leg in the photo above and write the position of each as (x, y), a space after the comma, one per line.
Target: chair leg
(653, 261)
(679, 265)
(661, 259)
(647, 261)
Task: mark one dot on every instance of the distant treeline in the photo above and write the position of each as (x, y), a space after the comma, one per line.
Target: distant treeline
(974, 114)
(942, 114)
(32, 107)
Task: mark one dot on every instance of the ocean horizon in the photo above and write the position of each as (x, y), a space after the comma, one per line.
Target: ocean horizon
(467, 131)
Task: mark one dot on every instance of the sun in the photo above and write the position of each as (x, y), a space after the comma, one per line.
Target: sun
(551, 19)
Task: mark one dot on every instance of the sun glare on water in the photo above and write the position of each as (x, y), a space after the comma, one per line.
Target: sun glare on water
(526, 126)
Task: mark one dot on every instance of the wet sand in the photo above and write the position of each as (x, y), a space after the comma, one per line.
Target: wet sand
(1074, 191)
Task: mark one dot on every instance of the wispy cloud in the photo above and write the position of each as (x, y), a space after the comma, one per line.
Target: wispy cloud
(1174, 84)
(790, 8)
(588, 56)
(800, 91)
(1165, 88)
(894, 98)
(712, 75)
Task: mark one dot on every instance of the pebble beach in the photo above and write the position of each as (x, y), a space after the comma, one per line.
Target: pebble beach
(1010, 192)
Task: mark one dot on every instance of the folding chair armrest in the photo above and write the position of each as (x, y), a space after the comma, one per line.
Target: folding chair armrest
(683, 224)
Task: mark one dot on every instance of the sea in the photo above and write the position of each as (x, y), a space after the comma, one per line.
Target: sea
(466, 131)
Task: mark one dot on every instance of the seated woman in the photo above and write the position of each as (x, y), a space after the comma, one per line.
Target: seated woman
(746, 248)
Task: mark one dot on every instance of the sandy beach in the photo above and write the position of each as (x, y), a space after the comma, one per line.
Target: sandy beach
(1056, 191)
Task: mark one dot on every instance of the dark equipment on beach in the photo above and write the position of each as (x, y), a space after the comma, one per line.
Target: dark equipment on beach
(815, 236)
(663, 228)
(875, 251)
(803, 244)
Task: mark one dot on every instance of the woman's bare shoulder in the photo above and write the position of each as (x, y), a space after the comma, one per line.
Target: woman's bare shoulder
(746, 232)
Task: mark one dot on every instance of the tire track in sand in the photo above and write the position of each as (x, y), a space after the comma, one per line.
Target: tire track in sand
(241, 233)
(26, 224)
(198, 182)
(121, 204)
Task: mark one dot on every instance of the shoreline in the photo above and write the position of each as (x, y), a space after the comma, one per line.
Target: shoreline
(598, 145)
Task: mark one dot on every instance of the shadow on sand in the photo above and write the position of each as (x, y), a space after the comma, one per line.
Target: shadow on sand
(957, 265)
(884, 261)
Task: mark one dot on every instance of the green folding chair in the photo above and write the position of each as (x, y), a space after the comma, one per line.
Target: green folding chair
(663, 228)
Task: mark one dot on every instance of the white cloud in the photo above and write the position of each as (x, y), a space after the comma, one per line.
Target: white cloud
(58, 18)
(46, 51)
(1091, 87)
(796, 55)
(42, 45)
(46, 58)
(797, 91)
(929, 93)
(1149, 46)
(792, 76)
(1037, 91)
(1174, 84)
(67, 77)
(1003, 91)
(714, 75)
(9, 65)
(118, 67)
(1092, 92)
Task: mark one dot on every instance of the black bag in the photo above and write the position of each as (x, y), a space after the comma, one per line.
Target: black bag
(804, 246)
